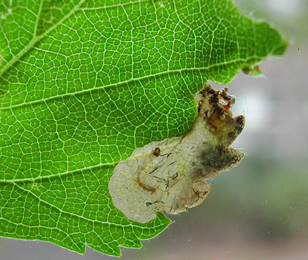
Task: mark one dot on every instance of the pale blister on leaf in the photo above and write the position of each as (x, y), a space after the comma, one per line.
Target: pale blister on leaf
(171, 175)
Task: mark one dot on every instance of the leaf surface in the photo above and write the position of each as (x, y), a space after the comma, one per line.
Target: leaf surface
(85, 83)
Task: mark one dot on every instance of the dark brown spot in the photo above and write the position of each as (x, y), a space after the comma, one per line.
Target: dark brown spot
(156, 152)
(231, 135)
(240, 120)
(219, 110)
(221, 148)
(151, 203)
(208, 89)
(225, 95)
(174, 176)
(246, 70)
(214, 99)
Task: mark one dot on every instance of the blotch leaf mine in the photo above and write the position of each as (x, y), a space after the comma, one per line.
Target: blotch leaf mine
(172, 175)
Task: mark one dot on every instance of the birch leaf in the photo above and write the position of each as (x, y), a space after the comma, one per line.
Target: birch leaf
(84, 83)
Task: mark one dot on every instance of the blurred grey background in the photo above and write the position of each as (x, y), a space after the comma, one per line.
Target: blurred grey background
(259, 210)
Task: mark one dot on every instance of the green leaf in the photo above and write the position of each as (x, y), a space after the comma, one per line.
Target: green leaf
(84, 83)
